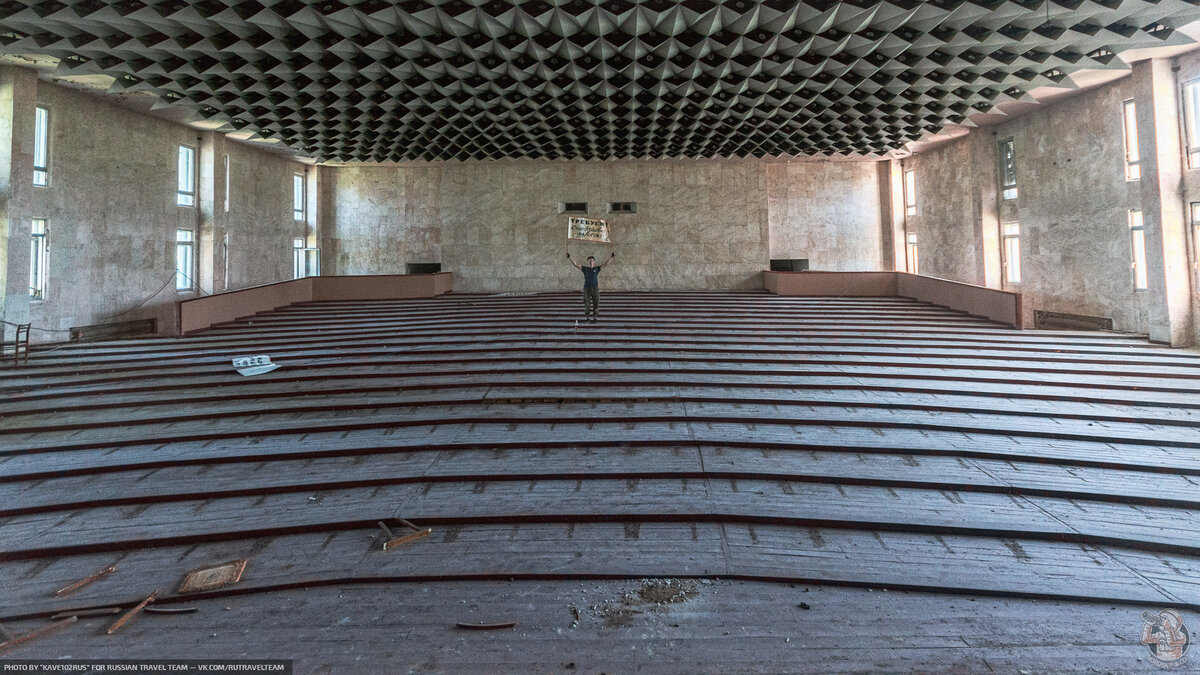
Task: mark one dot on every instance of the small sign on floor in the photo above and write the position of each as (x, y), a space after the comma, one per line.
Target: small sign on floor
(254, 365)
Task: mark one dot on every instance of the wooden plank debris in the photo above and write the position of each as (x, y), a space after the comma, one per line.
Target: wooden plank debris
(85, 613)
(171, 610)
(131, 614)
(212, 577)
(67, 590)
(393, 542)
(487, 626)
(12, 641)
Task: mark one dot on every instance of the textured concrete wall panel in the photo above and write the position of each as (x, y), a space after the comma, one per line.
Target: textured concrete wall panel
(496, 225)
(827, 212)
(110, 211)
(260, 223)
(945, 238)
(1072, 208)
(111, 214)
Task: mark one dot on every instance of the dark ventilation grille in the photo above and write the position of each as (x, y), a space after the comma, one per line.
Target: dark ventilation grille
(422, 268)
(572, 207)
(789, 265)
(622, 207)
(1060, 321)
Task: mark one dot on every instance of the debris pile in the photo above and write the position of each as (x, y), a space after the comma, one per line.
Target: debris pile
(654, 595)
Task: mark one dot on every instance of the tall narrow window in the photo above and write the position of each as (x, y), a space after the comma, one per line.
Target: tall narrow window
(914, 264)
(297, 258)
(226, 184)
(298, 197)
(41, 147)
(39, 248)
(1012, 253)
(1137, 234)
(1196, 235)
(1133, 167)
(184, 241)
(910, 192)
(1191, 121)
(312, 262)
(1008, 169)
(186, 193)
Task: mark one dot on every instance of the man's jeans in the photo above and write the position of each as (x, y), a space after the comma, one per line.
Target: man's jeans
(591, 302)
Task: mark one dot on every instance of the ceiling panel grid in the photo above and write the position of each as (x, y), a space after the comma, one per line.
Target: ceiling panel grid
(371, 80)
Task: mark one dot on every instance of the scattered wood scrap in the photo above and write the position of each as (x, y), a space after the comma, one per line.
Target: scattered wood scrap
(85, 613)
(131, 614)
(67, 590)
(487, 626)
(170, 610)
(11, 641)
(212, 577)
(394, 541)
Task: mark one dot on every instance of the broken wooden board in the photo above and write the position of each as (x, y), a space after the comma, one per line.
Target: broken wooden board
(131, 614)
(213, 577)
(14, 641)
(393, 542)
(71, 588)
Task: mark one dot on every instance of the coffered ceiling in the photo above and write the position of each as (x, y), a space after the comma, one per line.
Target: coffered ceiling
(371, 80)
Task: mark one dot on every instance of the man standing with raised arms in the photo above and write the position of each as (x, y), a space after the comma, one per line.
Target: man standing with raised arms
(591, 285)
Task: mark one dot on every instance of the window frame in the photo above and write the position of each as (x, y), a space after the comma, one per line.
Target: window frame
(1133, 164)
(1137, 250)
(1010, 245)
(912, 253)
(298, 258)
(185, 195)
(1190, 92)
(41, 146)
(185, 249)
(910, 193)
(1008, 168)
(1194, 208)
(39, 258)
(298, 197)
(228, 168)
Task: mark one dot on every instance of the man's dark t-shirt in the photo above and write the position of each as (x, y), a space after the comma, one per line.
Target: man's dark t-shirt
(591, 277)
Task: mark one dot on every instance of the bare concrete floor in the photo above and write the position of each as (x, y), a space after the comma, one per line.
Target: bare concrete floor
(678, 625)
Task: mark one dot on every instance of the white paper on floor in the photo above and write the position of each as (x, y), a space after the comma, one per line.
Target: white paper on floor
(254, 365)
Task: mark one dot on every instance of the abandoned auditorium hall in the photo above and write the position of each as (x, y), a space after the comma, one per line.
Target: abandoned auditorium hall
(599, 336)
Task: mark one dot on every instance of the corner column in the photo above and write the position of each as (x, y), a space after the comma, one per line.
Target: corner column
(1170, 306)
(18, 98)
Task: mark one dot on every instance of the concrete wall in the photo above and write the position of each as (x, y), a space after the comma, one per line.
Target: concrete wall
(112, 216)
(1001, 306)
(18, 90)
(945, 204)
(1072, 208)
(1189, 70)
(259, 221)
(496, 225)
(827, 212)
(380, 219)
(196, 314)
(110, 212)
(699, 224)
